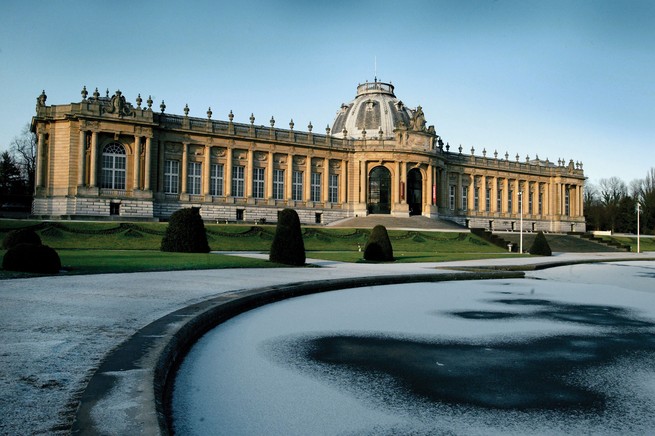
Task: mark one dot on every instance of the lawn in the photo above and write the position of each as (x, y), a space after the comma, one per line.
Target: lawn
(110, 247)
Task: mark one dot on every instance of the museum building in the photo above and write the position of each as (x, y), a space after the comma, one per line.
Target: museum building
(105, 158)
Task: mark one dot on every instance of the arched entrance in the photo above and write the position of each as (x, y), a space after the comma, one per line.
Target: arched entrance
(415, 192)
(379, 191)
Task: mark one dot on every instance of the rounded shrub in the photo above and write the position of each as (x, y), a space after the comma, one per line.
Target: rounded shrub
(378, 247)
(34, 258)
(185, 233)
(20, 236)
(540, 246)
(288, 246)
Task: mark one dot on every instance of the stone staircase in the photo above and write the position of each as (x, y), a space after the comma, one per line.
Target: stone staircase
(392, 222)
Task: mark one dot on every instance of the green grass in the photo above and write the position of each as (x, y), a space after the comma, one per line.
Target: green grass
(645, 243)
(109, 247)
(123, 261)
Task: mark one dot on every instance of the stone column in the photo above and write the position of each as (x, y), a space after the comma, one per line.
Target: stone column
(494, 195)
(206, 173)
(471, 195)
(362, 181)
(308, 179)
(93, 171)
(81, 159)
(343, 182)
(249, 173)
(185, 166)
(288, 185)
(40, 155)
(326, 181)
(148, 164)
(137, 163)
(483, 193)
(227, 180)
(268, 185)
(429, 183)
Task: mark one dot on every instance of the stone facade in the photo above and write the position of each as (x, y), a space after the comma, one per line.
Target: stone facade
(105, 158)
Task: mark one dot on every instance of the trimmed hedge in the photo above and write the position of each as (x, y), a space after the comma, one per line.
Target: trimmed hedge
(288, 246)
(378, 247)
(185, 233)
(540, 246)
(34, 258)
(20, 236)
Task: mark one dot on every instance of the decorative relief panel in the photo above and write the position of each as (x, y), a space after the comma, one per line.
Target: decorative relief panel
(218, 152)
(261, 156)
(173, 147)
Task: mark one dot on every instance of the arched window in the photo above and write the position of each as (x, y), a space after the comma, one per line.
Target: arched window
(113, 166)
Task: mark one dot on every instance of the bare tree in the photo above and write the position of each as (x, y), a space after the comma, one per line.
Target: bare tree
(612, 191)
(23, 148)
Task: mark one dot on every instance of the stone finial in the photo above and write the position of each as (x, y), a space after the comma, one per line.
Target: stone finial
(230, 116)
(291, 124)
(107, 93)
(310, 127)
(96, 94)
(345, 132)
(460, 148)
(527, 158)
(363, 133)
(186, 110)
(380, 132)
(484, 152)
(495, 154)
(84, 93)
(517, 157)
(448, 147)
(327, 130)
(472, 151)
(536, 157)
(149, 102)
(209, 113)
(506, 156)
(252, 118)
(272, 122)
(162, 106)
(138, 101)
(559, 162)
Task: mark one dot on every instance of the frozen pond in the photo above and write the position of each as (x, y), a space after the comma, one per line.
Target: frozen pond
(568, 350)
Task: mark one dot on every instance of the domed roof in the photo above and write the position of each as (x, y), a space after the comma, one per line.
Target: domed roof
(374, 109)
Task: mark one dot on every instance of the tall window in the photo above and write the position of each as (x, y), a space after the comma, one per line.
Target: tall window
(499, 200)
(194, 178)
(487, 200)
(238, 181)
(333, 189)
(452, 196)
(567, 201)
(113, 166)
(541, 203)
(216, 180)
(171, 176)
(258, 182)
(530, 202)
(278, 184)
(476, 199)
(465, 197)
(316, 187)
(296, 186)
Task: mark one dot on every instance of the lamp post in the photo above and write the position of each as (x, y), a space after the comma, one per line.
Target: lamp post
(638, 247)
(520, 222)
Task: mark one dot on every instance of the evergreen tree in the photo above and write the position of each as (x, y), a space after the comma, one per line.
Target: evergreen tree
(288, 246)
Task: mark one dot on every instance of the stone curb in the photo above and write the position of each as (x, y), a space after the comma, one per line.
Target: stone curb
(130, 392)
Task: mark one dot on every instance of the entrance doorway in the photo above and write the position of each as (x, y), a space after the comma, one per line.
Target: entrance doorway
(379, 191)
(415, 192)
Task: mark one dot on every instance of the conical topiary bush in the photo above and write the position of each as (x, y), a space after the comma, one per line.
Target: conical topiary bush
(288, 246)
(378, 247)
(185, 233)
(540, 246)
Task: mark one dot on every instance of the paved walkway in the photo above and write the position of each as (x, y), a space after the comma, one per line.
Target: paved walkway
(55, 331)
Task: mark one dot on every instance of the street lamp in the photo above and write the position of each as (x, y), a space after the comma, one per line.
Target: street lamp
(520, 222)
(638, 228)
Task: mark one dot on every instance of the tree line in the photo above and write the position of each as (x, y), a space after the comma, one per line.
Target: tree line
(612, 204)
(17, 169)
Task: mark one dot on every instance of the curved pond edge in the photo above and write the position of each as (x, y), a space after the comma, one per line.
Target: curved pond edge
(130, 391)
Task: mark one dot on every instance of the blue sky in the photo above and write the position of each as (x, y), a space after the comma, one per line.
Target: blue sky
(558, 79)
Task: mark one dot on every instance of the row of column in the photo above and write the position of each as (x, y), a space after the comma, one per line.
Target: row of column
(268, 178)
(553, 200)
